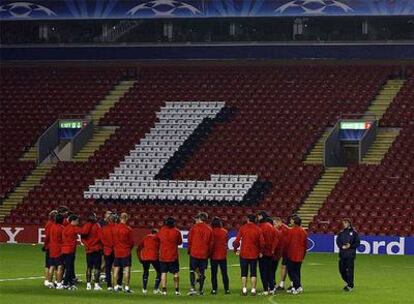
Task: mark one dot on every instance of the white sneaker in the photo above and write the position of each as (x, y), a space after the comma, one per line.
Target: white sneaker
(117, 288)
(290, 290)
(60, 286)
(253, 292)
(177, 293)
(97, 287)
(144, 292)
(46, 283)
(192, 292)
(295, 292)
(73, 287)
(88, 286)
(164, 293)
(299, 290)
(127, 290)
(157, 291)
(110, 289)
(50, 285)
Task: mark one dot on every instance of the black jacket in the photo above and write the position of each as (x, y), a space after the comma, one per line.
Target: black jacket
(346, 236)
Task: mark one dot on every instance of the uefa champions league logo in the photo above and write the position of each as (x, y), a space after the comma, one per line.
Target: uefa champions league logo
(162, 8)
(315, 7)
(25, 10)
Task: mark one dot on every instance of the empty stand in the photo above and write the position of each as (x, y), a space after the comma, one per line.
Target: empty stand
(379, 197)
(276, 116)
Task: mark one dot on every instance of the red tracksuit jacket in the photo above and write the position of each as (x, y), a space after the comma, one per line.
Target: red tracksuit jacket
(70, 238)
(252, 241)
(219, 249)
(270, 238)
(123, 240)
(47, 233)
(91, 237)
(56, 241)
(284, 231)
(148, 248)
(200, 241)
(277, 253)
(169, 238)
(297, 242)
(107, 238)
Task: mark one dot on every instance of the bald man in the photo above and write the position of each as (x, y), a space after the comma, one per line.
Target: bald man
(123, 244)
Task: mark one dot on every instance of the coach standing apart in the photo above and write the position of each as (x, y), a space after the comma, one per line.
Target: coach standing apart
(347, 241)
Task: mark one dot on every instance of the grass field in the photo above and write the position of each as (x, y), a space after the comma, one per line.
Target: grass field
(379, 279)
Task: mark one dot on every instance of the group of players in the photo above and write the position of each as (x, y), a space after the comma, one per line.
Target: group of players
(261, 241)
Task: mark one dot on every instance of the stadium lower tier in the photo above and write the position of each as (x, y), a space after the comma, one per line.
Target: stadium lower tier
(275, 114)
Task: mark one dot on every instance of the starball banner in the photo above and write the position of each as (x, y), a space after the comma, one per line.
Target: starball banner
(127, 9)
(389, 245)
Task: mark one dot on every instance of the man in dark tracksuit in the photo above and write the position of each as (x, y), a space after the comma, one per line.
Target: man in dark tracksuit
(347, 241)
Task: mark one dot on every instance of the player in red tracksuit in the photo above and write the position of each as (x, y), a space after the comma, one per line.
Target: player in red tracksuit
(277, 253)
(296, 250)
(218, 257)
(123, 244)
(70, 239)
(252, 246)
(55, 252)
(45, 248)
(266, 260)
(107, 240)
(200, 243)
(148, 254)
(284, 231)
(170, 238)
(91, 238)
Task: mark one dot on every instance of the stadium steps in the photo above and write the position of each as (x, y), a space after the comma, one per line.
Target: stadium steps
(315, 157)
(110, 100)
(320, 192)
(381, 145)
(384, 98)
(100, 135)
(29, 183)
(30, 154)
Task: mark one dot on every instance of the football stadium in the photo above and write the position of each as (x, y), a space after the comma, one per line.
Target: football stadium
(207, 151)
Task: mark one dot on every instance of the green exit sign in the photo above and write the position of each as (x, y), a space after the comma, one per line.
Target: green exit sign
(355, 125)
(71, 124)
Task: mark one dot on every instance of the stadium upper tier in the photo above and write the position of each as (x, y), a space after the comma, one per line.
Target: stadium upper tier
(272, 118)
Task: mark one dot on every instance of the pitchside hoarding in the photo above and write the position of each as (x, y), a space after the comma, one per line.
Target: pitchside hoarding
(391, 245)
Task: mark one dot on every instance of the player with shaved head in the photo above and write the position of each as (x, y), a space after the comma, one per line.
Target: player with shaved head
(123, 244)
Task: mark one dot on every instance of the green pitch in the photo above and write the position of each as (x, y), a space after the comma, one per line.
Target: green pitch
(379, 279)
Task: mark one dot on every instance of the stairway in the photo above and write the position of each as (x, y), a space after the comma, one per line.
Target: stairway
(320, 192)
(29, 183)
(30, 154)
(315, 157)
(377, 151)
(384, 98)
(110, 100)
(100, 135)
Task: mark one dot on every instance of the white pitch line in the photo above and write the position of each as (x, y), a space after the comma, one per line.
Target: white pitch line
(81, 275)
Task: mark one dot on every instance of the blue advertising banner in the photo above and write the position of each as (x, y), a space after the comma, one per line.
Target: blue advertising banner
(390, 245)
(124, 9)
